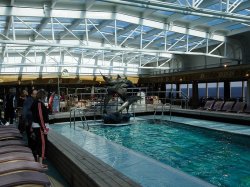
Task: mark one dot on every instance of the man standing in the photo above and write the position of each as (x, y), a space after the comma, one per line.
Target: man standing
(27, 115)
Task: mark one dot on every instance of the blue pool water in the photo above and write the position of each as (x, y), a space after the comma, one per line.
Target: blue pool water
(219, 158)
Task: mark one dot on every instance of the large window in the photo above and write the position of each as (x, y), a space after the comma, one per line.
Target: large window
(221, 89)
(171, 88)
(190, 90)
(212, 90)
(202, 90)
(184, 89)
(236, 89)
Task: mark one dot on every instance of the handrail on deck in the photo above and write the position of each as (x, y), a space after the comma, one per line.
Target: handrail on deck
(81, 113)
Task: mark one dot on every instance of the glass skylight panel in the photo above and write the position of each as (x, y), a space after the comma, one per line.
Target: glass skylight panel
(31, 69)
(122, 24)
(70, 60)
(217, 6)
(216, 22)
(29, 19)
(32, 60)
(10, 70)
(237, 26)
(150, 38)
(244, 12)
(190, 17)
(3, 18)
(146, 29)
(107, 30)
(52, 59)
(103, 63)
(48, 69)
(169, 33)
(159, 44)
(13, 60)
(64, 20)
(167, 13)
(184, 2)
(86, 70)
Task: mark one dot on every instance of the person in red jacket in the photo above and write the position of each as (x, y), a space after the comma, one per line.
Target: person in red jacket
(50, 103)
(40, 126)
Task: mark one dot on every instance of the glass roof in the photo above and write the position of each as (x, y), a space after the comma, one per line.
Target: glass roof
(143, 32)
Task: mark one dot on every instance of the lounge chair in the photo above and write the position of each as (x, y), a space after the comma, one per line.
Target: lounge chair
(208, 105)
(20, 165)
(247, 110)
(29, 178)
(5, 130)
(17, 156)
(227, 106)
(238, 107)
(12, 142)
(10, 136)
(13, 149)
(217, 105)
(8, 126)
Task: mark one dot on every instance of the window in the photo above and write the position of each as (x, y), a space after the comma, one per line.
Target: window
(221, 89)
(212, 90)
(184, 89)
(202, 90)
(236, 89)
(169, 88)
(190, 90)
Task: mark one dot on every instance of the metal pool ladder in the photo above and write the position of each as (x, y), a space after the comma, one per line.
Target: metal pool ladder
(163, 108)
(81, 113)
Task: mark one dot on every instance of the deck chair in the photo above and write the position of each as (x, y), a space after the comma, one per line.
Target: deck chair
(29, 178)
(5, 130)
(13, 149)
(247, 110)
(6, 157)
(208, 105)
(7, 126)
(217, 105)
(5, 143)
(10, 136)
(20, 165)
(228, 105)
(238, 107)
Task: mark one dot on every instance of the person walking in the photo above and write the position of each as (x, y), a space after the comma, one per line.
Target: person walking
(40, 127)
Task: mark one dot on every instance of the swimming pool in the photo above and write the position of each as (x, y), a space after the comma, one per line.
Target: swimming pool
(214, 157)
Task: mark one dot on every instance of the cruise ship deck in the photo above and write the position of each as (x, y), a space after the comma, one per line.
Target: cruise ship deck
(136, 93)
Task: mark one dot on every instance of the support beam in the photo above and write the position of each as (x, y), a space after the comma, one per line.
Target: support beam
(42, 65)
(100, 27)
(74, 24)
(40, 27)
(89, 4)
(20, 11)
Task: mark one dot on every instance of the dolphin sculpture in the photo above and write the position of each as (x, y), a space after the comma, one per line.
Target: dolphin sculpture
(116, 86)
